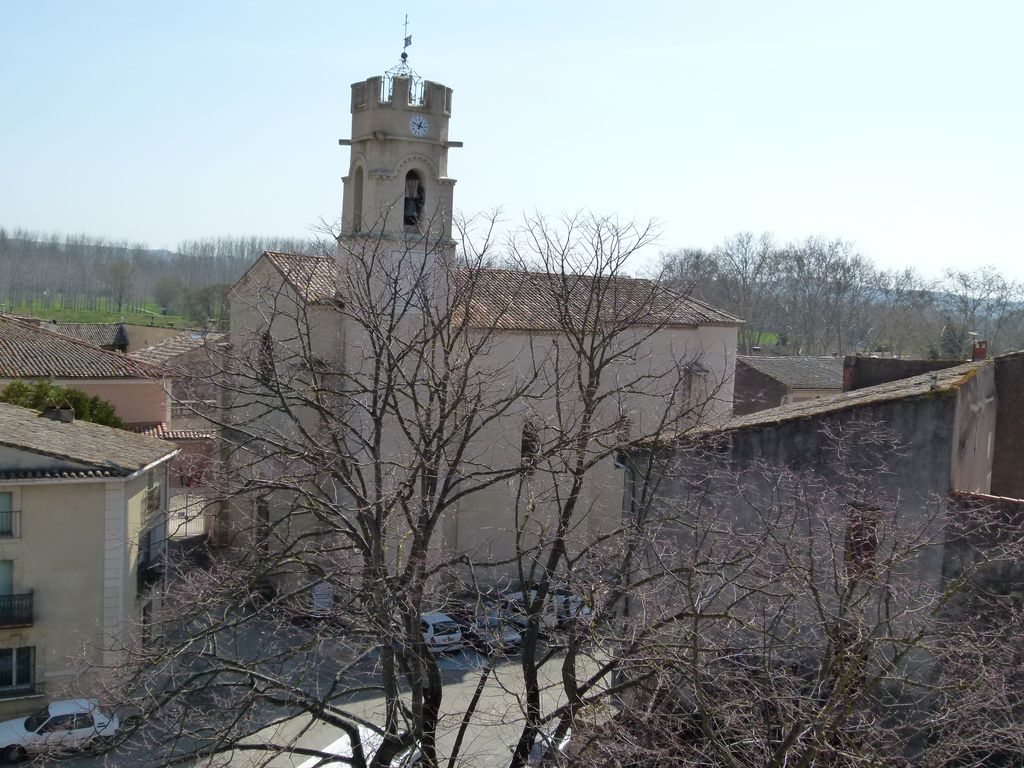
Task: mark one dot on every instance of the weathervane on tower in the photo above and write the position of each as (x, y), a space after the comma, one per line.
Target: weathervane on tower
(402, 69)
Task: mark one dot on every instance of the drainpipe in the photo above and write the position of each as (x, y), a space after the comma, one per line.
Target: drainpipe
(628, 512)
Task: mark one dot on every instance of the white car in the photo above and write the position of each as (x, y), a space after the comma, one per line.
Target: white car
(546, 751)
(486, 630)
(560, 605)
(371, 741)
(441, 632)
(61, 726)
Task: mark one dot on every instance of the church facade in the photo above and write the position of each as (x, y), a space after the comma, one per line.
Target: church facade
(397, 277)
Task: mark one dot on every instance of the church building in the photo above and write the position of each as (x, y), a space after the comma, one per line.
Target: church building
(397, 276)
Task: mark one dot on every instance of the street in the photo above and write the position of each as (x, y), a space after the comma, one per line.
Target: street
(495, 726)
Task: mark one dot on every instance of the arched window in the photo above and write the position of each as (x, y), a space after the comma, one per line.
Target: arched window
(357, 200)
(415, 198)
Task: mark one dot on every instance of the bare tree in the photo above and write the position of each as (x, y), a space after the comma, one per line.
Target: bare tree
(904, 320)
(403, 424)
(120, 277)
(815, 633)
(366, 431)
(743, 275)
(985, 304)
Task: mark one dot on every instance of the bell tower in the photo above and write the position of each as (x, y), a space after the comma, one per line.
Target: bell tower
(398, 187)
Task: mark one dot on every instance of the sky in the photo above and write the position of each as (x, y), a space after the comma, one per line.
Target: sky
(895, 125)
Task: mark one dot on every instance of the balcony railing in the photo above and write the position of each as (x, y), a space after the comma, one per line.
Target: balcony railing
(10, 525)
(16, 610)
(183, 409)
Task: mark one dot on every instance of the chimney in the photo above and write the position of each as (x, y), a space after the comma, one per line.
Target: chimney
(65, 414)
(979, 350)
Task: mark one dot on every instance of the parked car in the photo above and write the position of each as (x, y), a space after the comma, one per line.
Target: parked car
(441, 633)
(486, 631)
(371, 741)
(560, 606)
(61, 726)
(548, 752)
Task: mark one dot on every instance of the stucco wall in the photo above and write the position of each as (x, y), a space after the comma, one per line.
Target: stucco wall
(59, 556)
(137, 401)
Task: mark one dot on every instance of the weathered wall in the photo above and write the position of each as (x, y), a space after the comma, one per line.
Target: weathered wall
(1007, 464)
(974, 426)
(782, 494)
(924, 424)
(860, 372)
(910, 480)
(754, 391)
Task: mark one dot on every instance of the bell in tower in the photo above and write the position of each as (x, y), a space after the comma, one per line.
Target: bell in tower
(398, 185)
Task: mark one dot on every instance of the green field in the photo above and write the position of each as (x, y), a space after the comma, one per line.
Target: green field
(767, 339)
(135, 314)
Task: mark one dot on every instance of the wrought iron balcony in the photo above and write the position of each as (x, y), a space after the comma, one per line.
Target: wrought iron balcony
(16, 610)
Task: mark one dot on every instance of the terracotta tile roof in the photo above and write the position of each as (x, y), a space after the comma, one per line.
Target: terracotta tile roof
(516, 300)
(161, 432)
(168, 349)
(944, 380)
(314, 277)
(799, 372)
(97, 334)
(28, 351)
(97, 449)
(55, 474)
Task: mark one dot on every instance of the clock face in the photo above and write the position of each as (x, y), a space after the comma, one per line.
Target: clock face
(418, 126)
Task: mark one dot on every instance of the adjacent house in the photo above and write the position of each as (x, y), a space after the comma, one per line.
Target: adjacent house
(116, 337)
(872, 524)
(82, 529)
(109, 336)
(767, 381)
(135, 389)
(190, 363)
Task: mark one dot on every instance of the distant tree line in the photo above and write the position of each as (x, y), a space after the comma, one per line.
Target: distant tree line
(50, 271)
(812, 297)
(821, 297)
